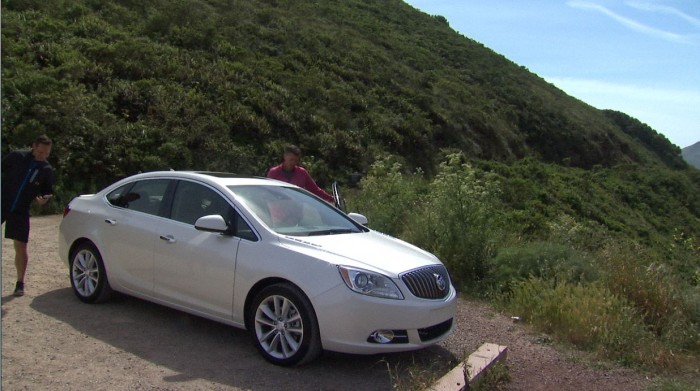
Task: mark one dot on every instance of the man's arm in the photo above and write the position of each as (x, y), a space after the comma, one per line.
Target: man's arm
(310, 185)
(46, 186)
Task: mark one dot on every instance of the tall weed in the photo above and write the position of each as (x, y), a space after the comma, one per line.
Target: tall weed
(590, 317)
(667, 306)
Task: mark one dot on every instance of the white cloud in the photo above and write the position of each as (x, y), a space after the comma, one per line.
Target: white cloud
(683, 97)
(664, 10)
(630, 23)
(671, 112)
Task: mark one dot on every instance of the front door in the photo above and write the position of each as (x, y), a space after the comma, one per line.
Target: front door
(195, 269)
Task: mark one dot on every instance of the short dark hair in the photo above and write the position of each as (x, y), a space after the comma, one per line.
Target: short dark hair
(42, 139)
(293, 149)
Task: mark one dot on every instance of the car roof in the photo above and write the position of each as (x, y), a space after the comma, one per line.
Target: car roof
(222, 178)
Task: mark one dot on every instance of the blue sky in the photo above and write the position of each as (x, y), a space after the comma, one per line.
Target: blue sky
(640, 57)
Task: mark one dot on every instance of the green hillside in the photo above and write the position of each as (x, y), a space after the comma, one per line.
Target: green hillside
(222, 84)
(517, 186)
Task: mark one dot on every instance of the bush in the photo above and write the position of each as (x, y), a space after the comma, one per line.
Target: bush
(459, 220)
(454, 216)
(584, 236)
(545, 260)
(389, 197)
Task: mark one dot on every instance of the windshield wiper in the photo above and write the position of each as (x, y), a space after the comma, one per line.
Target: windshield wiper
(332, 231)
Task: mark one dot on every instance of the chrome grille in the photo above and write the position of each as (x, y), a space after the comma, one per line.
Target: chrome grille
(426, 283)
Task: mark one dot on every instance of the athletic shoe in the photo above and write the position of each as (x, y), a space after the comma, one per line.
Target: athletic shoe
(19, 289)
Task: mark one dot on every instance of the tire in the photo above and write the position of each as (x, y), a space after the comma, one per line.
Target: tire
(87, 275)
(283, 325)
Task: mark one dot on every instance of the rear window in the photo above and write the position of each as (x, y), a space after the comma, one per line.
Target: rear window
(143, 196)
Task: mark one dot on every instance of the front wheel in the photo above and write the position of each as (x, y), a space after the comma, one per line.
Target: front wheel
(284, 326)
(87, 274)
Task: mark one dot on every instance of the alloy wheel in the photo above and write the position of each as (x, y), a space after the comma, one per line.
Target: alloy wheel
(85, 272)
(279, 327)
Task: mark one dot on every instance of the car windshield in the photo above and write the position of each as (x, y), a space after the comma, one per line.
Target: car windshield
(291, 211)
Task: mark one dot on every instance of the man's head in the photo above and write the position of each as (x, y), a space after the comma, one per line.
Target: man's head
(41, 148)
(291, 157)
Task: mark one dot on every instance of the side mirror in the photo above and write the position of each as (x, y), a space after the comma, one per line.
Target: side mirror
(360, 219)
(211, 223)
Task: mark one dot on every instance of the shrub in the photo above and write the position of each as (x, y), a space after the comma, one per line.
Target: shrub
(454, 216)
(389, 197)
(459, 220)
(585, 236)
(545, 260)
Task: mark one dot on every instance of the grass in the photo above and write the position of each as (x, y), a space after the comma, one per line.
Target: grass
(675, 385)
(418, 372)
(593, 318)
(493, 379)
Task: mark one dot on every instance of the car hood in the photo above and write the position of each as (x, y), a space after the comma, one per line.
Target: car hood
(369, 250)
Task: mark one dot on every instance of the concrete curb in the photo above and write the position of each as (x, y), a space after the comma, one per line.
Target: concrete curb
(469, 371)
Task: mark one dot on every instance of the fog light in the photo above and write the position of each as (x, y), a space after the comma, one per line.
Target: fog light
(382, 336)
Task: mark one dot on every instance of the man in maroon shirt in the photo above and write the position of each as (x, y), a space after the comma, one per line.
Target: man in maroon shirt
(290, 172)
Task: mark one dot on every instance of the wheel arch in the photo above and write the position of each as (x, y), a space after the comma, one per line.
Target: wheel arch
(77, 243)
(83, 240)
(262, 284)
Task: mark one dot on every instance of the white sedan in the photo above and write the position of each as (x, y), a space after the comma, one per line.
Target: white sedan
(258, 254)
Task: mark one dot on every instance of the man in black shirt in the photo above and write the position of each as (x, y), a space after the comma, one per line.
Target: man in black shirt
(26, 177)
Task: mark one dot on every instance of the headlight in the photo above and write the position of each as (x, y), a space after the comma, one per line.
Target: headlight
(369, 283)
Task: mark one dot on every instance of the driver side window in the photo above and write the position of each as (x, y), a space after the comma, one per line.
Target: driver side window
(192, 201)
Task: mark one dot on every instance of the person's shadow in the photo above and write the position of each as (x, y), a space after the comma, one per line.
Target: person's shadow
(6, 299)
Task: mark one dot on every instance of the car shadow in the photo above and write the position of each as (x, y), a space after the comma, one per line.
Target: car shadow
(197, 348)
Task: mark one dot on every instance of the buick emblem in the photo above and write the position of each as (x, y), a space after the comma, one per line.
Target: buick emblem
(440, 281)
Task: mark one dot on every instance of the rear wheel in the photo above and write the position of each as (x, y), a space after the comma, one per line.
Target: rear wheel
(284, 326)
(87, 275)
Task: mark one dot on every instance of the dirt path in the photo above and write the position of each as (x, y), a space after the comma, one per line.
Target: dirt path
(52, 341)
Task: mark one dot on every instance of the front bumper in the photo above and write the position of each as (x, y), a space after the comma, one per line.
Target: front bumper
(347, 319)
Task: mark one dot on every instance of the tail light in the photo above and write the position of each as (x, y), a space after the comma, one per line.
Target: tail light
(66, 210)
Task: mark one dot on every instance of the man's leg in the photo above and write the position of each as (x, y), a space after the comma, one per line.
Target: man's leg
(21, 261)
(17, 229)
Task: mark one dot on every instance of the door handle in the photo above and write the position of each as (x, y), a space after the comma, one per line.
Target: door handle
(168, 238)
(111, 221)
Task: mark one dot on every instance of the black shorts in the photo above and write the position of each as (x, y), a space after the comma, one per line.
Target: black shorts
(16, 226)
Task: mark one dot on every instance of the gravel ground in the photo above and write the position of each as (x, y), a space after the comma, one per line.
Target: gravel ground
(52, 341)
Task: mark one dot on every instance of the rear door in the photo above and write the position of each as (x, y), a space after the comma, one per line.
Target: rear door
(195, 269)
(130, 229)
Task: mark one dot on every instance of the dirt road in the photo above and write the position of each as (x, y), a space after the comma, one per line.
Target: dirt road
(51, 341)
